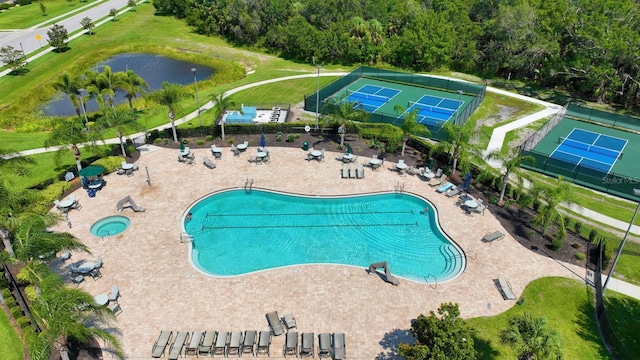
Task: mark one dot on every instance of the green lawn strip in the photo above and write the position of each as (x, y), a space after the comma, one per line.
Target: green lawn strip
(22, 141)
(11, 346)
(568, 307)
(628, 269)
(517, 134)
(624, 315)
(22, 17)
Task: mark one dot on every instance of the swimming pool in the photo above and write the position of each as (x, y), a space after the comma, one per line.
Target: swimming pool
(236, 232)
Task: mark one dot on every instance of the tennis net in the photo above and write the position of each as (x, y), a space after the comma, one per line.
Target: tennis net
(364, 96)
(430, 108)
(589, 147)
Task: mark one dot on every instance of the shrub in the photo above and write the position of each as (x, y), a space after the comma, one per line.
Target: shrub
(577, 227)
(593, 235)
(297, 136)
(23, 322)
(557, 244)
(209, 138)
(576, 245)
(24, 2)
(9, 301)
(158, 140)
(109, 163)
(200, 142)
(54, 191)
(291, 138)
(521, 301)
(6, 293)
(185, 141)
(130, 149)
(581, 256)
(16, 312)
(279, 136)
(5, 6)
(231, 141)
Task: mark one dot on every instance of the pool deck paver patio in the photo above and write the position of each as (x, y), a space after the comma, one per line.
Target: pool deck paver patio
(161, 290)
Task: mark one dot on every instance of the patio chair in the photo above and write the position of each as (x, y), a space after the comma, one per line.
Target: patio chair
(454, 192)
(161, 344)
(360, 171)
(182, 158)
(114, 294)
(194, 343)
(480, 209)
(115, 309)
(264, 343)
(95, 274)
(234, 343)
(77, 279)
(437, 180)
(274, 323)
(249, 342)
(178, 345)
(345, 171)
(491, 237)
(306, 349)
(339, 348)
(208, 163)
(235, 151)
(352, 172)
(220, 347)
(324, 345)
(207, 342)
(445, 187)
(321, 158)
(289, 321)
(506, 289)
(291, 344)
(98, 263)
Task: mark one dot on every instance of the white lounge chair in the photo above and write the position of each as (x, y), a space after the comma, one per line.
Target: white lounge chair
(360, 171)
(161, 344)
(289, 321)
(496, 235)
(249, 342)
(505, 288)
(324, 345)
(114, 294)
(274, 323)
(264, 343)
(306, 348)
(178, 345)
(339, 348)
(291, 344)
(207, 343)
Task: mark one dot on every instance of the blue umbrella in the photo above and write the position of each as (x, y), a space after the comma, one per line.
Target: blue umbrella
(263, 141)
(467, 181)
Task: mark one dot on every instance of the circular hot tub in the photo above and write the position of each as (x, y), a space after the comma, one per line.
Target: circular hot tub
(110, 226)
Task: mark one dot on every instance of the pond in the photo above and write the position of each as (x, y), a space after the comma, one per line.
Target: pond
(154, 69)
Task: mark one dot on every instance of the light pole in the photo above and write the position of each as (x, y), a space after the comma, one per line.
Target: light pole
(318, 98)
(195, 79)
(636, 192)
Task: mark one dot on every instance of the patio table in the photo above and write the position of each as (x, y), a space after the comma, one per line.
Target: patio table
(401, 166)
(471, 204)
(86, 267)
(316, 153)
(261, 154)
(184, 152)
(102, 299)
(127, 166)
(375, 161)
(66, 203)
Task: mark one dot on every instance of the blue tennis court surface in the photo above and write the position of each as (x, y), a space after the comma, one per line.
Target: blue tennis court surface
(589, 149)
(370, 97)
(434, 110)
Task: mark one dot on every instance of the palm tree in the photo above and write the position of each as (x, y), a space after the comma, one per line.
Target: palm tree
(71, 86)
(69, 134)
(510, 167)
(221, 103)
(410, 125)
(551, 198)
(170, 96)
(132, 85)
(64, 313)
(459, 145)
(532, 338)
(121, 121)
(341, 111)
(106, 82)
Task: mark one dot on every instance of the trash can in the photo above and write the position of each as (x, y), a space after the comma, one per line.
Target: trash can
(305, 146)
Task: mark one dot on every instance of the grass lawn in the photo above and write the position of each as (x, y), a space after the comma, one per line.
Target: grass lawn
(22, 17)
(628, 269)
(624, 315)
(10, 345)
(568, 307)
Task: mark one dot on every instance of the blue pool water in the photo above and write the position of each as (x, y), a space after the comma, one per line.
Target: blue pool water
(235, 233)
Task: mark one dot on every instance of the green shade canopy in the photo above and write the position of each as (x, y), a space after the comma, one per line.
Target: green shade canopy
(93, 170)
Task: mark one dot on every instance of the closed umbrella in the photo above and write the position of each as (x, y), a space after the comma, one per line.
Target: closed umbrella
(349, 150)
(181, 146)
(263, 141)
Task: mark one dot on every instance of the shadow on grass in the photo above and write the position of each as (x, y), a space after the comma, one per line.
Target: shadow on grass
(484, 348)
(587, 327)
(624, 316)
(390, 342)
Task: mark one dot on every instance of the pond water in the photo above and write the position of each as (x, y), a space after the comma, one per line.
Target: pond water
(154, 69)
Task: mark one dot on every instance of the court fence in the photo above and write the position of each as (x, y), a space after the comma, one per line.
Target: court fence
(457, 87)
(535, 138)
(603, 117)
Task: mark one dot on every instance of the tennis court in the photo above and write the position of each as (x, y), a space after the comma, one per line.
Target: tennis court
(370, 97)
(434, 110)
(589, 149)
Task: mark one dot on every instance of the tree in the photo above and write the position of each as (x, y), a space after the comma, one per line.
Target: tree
(410, 125)
(71, 86)
(58, 37)
(510, 165)
(221, 103)
(132, 85)
(342, 112)
(442, 336)
(132, 4)
(121, 121)
(113, 13)
(551, 197)
(68, 135)
(532, 338)
(87, 24)
(459, 145)
(170, 96)
(13, 58)
(43, 9)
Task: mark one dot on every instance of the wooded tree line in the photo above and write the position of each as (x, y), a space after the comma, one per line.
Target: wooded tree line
(591, 47)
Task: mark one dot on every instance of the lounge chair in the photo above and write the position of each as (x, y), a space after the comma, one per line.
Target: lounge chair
(95, 274)
(178, 345)
(352, 172)
(194, 343)
(291, 344)
(264, 343)
(77, 279)
(220, 347)
(306, 349)
(480, 209)
(438, 180)
(454, 192)
(249, 342)
(115, 309)
(345, 171)
(98, 263)
(274, 323)
(505, 289)
(234, 343)
(497, 235)
(339, 348)
(445, 187)
(161, 344)
(324, 345)
(207, 343)
(360, 171)
(208, 163)
(114, 293)
(289, 321)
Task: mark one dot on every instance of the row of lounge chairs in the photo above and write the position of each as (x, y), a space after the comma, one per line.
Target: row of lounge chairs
(352, 172)
(329, 345)
(211, 343)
